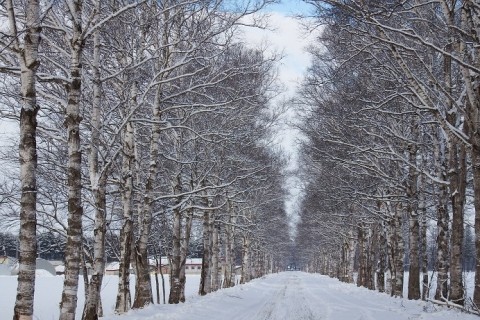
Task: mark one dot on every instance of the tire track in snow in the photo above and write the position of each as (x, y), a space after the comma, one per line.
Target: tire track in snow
(289, 302)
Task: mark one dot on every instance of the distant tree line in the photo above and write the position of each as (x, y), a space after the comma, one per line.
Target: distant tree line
(51, 246)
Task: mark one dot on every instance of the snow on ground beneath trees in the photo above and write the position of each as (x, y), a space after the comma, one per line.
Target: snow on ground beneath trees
(48, 291)
(287, 295)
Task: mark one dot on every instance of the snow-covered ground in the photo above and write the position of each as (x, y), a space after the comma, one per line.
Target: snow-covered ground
(283, 296)
(296, 296)
(48, 291)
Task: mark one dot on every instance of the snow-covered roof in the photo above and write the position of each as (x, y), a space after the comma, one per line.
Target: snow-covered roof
(195, 261)
(163, 261)
(113, 266)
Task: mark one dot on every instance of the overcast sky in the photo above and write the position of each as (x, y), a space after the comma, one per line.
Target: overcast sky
(288, 35)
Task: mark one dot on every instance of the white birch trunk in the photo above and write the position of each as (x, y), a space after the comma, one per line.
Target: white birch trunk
(372, 256)
(205, 277)
(143, 287)
(442, 224)
(229, 251)
(129, 164)
(28, 59)
(382, 257)
(413, 215)
(245, 277)
(174, 296)
(458, 180)
(422, 207)
(73, 249)
(98, 180)
(390, 270)
(469, 21)
(178, 261)
(457, 175)
(184, 252)
(399, 252)
(123, 302)
(215, 262)
(352, 243)
(362, 268)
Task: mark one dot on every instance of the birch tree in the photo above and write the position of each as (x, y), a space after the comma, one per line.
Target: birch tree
(26, 51)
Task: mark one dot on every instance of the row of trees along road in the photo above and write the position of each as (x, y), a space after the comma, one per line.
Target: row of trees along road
(393, 145)
(140, 120)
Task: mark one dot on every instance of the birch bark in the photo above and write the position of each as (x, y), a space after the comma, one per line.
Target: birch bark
(73, 119)
(229, 277)
(469, 21)
(382, 257)
(422, 208)
(361, 278)
(390, 269)
(184, 252)
(123, 302)
(28, 59)
(179, 252)
(457, 177)
(412, 209)
(215, 258)
(143, 287)
(397, 248)
(352, 243)
(205, 277)
(372, 256)
(245, 277)
(442, 266)
(174, 296)
(128, 174)
(98, 181)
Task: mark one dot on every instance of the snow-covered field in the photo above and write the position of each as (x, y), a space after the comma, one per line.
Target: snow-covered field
(283, 296)
(48, 291)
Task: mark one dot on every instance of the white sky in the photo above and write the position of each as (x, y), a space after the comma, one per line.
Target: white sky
(284, 34)
(8, 130)
(287, 34)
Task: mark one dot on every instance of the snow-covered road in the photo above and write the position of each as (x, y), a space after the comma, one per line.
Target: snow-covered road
(296, 296)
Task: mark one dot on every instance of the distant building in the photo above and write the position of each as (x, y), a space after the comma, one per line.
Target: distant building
(113, 268)
(193, 265)
(164, 264)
